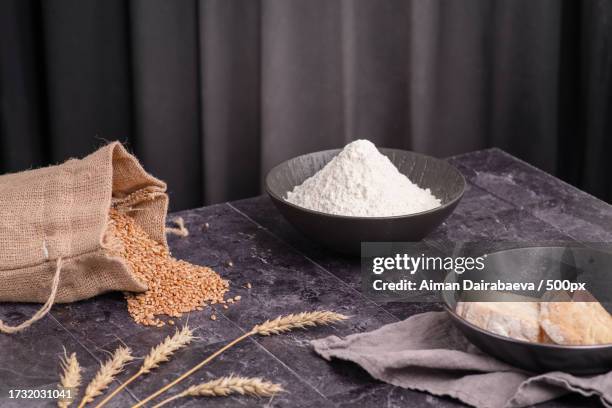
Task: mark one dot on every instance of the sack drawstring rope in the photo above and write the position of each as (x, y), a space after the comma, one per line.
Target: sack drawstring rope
(42, 312)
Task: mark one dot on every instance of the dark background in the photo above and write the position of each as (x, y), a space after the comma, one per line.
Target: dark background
(211, 94)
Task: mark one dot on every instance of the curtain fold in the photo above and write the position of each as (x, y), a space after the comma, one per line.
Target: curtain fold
(166, 98)
(461, 99)
(22, 111)
(596, 81)
(85, 75)
(210, 94)
(230, 48)
(376, 87)
(525, 80)
(302, 76)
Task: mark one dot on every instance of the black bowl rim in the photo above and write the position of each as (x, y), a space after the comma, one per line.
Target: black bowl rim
(353, 217)
(448, 308)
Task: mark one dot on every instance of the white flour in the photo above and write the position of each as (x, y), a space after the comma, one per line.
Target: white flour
(360, 181)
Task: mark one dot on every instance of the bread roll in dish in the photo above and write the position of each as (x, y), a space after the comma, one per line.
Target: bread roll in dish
(557, 318)
(576, 323)
(518, 320)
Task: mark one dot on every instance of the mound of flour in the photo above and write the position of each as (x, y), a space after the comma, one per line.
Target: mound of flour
(360, 181)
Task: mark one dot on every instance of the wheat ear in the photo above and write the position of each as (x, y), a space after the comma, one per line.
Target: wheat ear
(279, 325)
(224, 386)
(70, 379)
(297, 321)
(158, 354)
(106, 374)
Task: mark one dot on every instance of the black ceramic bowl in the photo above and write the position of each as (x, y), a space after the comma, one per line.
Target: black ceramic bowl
(542, 262)
(345, 233)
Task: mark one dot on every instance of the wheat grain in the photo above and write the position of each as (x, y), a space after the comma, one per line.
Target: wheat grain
(224, 386)
(106, 374)
(174, 287)
(70, 379)
(158, 354)
(297, 321)
(279, 325)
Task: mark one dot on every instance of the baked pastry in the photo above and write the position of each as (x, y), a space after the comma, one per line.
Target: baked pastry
(557, 318)
(518, 320)
(576, 323)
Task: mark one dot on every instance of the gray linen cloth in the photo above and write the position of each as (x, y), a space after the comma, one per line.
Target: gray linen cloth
(427, 353)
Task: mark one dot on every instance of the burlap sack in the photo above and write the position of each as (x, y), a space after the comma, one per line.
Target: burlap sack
(52, 225)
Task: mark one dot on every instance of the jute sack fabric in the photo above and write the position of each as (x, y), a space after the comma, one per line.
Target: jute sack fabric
(53, 222)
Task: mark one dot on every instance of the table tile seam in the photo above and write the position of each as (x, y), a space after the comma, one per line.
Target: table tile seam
(518, 207)
(572, 187)
(562, 233)
(193, 329)
(87, 350)
(569, 234)
(300, 378)
(477, 187)
(527, 210)
(454, 156)
(319, 266)
(499, 197)
(515, 206)
(275, 357)
(74, 337)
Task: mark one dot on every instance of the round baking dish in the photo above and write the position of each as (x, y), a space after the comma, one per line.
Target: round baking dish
(345, 233)
(537, 357)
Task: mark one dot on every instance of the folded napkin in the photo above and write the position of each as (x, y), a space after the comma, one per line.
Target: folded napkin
(427, 353)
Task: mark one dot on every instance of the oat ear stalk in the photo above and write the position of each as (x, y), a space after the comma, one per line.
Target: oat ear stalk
(158, 355)
(279, 325)
(106, 374)
(224, 386)
(70, 379)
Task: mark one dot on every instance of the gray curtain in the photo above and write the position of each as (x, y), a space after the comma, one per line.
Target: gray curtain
(211, 94)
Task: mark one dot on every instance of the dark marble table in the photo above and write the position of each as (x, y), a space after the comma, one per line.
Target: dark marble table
(506, 199)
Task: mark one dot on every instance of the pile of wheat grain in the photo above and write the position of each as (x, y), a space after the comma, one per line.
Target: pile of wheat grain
(174, 287)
